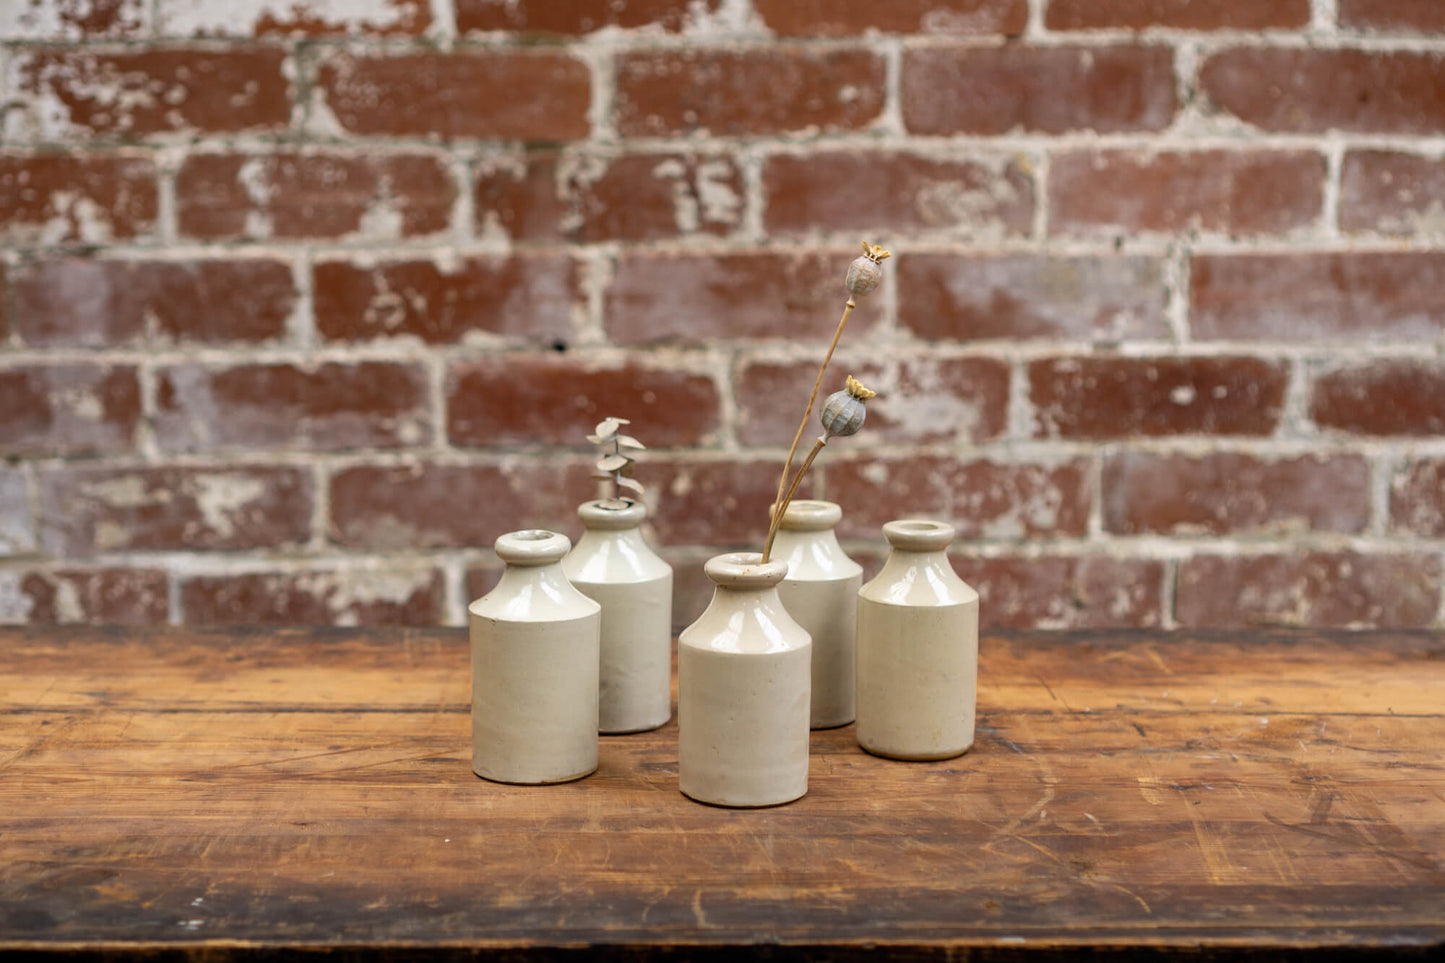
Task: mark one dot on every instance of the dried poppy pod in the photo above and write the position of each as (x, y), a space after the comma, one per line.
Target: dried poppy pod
(866, 272)
(843, 411)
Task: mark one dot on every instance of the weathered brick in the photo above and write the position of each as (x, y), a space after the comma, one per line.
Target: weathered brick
(360, 596)
(495, 93)
(1226, 493)
(842, 18)
(1236, 192)
(89, 509)
(920, 399)
(309, 18)
(331, 407)
(718, 503)
(891, 191)
(1313, 589)
(1064, 592)
(4, 302)
(577, 17)
(377, 196)
(526, 297)
(972, 298)
(92, 303)
(95, 198)
(1177, 14)
(509, 400)
(1417, 498)
(17, 526)
(68, 409)
(1424, 16)
(80, 93)
(1392, 193)
(1098, 397)
(728, 93)
(986, 499)
(97, 596)
(1307, 90)
(551, 195)
(988, 90)
(752, 294)
(73, 19)
(1396, 295)
(1385, 397)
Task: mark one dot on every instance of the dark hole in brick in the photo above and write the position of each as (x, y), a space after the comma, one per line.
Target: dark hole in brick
(559, 346)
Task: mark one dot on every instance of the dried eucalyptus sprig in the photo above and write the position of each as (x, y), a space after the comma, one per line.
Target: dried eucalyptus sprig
(613, 464)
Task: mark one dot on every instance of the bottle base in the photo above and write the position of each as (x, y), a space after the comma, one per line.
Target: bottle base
(549, 781)
(744, 805)
(904, 755)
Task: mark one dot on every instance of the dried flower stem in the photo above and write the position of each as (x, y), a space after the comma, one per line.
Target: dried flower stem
(778, 505)
(784, 501)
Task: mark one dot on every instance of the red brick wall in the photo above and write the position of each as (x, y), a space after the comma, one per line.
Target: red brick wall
(303, 303)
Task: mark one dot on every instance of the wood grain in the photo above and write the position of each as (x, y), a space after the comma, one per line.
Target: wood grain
(232, 793)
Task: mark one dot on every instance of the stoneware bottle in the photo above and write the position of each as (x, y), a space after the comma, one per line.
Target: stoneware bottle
(612, 565)
(534, 667)
(743, 675)
(917, 649)
(821, 594)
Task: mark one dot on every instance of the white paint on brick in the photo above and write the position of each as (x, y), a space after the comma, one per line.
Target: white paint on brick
(67, 19)
(221, 496)
(17, 528)
(15, 605)
(220, 18)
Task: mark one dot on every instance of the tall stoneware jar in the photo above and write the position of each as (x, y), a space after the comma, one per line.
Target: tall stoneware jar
(820, 592)
(744, 669)
(614, 566)
(534, 667)
(917, 649)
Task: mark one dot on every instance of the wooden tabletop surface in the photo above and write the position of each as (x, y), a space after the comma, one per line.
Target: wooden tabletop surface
(172, 792)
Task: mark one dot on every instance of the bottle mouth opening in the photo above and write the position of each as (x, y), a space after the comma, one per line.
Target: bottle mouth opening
(745, 570)
(612, 513)
(532, 546)
(919, 534)
(811, 515)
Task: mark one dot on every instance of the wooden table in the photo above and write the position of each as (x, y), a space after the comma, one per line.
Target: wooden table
(207, 795)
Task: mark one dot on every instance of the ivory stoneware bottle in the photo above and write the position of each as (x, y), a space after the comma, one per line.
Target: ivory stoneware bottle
(820, 592)
(534, 667)
(917, 649)
(612, 565)
(744, 670)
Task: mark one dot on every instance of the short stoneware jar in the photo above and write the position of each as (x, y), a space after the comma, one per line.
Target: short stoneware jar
(744, 670)
(614, 566)
(821, 594)
(917, 649)
(534, 667)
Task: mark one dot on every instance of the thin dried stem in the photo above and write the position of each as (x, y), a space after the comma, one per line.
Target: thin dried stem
(783, 502)
(812, 400)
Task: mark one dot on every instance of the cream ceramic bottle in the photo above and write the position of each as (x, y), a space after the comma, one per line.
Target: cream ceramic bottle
(534, 642)
(820, 592)
(917, 649)
(612, 565)
(744, 670)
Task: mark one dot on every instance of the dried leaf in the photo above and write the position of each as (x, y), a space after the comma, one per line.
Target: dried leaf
(627, 441)
(601, 475)
(596, 439)
(612, 462)
(631, 483)
(608, 427)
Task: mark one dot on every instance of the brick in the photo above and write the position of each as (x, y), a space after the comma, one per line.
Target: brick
(588, 198)
(721, 504)
(986, 90)
(1392, 193)
(17, 526)
(85, 302)
(1359, 296)
(363, 596)
(777, 90)
(921, 399)
(1177, 14)
(510, 94)
(229, 197)
(96, 198)
(577, 17)
(1305, 90)
(526, 297)
(307, 18)
(506, 400)
(331, 407)
(1424, 16)
(1310, 589)
(1062, 592)
(887, 191)
(83, 93)
(97, 596)
(1417, 498)
(4, 303)
(698, 298)
(89, 509)
(1225, 493)
(1386, 397)
(68, 409)
(844, 18)
(971, 298)
(73, 19)
(985, 499)
(1098, 397)
(1233, 192)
